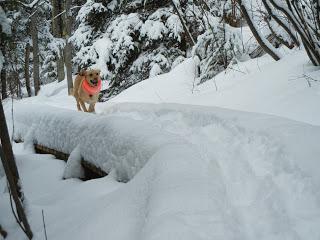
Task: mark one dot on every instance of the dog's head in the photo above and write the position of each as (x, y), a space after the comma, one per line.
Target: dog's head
(92, 76)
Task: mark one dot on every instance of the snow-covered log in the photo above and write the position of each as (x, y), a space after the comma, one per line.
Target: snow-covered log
(118, 143)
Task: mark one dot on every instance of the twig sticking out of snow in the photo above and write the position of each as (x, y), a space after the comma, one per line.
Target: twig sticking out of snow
(44, 225)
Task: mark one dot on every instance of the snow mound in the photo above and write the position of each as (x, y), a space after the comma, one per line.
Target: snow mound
(118, 143)
(73, 168)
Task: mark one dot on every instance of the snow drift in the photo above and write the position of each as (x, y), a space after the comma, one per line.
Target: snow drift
(196, 172)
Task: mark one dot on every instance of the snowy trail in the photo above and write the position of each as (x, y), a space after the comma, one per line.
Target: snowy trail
(260, 176)
(207, 173)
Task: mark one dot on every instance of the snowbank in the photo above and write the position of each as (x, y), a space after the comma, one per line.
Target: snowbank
(205, 173)
(258, 85)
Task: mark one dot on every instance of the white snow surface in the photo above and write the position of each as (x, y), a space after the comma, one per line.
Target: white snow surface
(258, 85)
(195, 172)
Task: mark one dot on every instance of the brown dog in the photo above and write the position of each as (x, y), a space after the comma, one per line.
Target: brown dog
(86, 89)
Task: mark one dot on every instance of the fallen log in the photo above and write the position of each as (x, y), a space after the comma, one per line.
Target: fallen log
(111, 143)
(90, 170)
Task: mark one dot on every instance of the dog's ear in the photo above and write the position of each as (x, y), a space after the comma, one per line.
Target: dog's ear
(83, 72)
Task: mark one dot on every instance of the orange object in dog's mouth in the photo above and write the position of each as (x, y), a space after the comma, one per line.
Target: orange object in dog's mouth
(92, 90)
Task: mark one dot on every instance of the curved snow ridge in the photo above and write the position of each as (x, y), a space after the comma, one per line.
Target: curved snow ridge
(269, 190)
(176, 195)
(114, 142)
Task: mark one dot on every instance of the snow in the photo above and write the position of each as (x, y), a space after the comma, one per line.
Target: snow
(73, 168)
(233, 171)
(240, 162)
(175, 27)
(155, 70)
(124, 149)
(102, 48)
(153, 29)
(5, 22)
(257, 85)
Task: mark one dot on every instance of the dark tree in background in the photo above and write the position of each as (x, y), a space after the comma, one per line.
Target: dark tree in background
(68, 47)
(35, 51)
(57, 31)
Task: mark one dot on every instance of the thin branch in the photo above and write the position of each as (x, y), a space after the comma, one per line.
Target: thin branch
(44, 225)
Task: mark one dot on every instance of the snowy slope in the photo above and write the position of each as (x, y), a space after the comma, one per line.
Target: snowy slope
(258, 85)
(196, 172)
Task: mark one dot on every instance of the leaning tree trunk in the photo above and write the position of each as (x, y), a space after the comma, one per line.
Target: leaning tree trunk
(57, 30)
(12, 174)
(262, 42)
(35, 47)
(3, 76)
(68, 47)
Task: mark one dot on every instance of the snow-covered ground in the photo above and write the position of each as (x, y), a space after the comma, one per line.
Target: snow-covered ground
(258, 85)
(196, 170)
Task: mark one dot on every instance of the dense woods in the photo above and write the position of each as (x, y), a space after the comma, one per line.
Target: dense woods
(133, 40)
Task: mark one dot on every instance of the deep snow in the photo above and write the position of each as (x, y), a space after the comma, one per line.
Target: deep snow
(257, 85)
(202, 172)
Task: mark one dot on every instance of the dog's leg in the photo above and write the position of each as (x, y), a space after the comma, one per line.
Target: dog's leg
(91, 107)
(75, 92)
(83, 105)
(78, 105)
(76, 96)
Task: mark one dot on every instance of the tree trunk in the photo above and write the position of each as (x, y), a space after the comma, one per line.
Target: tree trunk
(3, 76)
(7, 149)
(11, 171)
(18, 83)
(256, 33)
(26, 68)
(68, 47)
(57, 30)
(35, 47)
(3, 73)
(60, 68)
